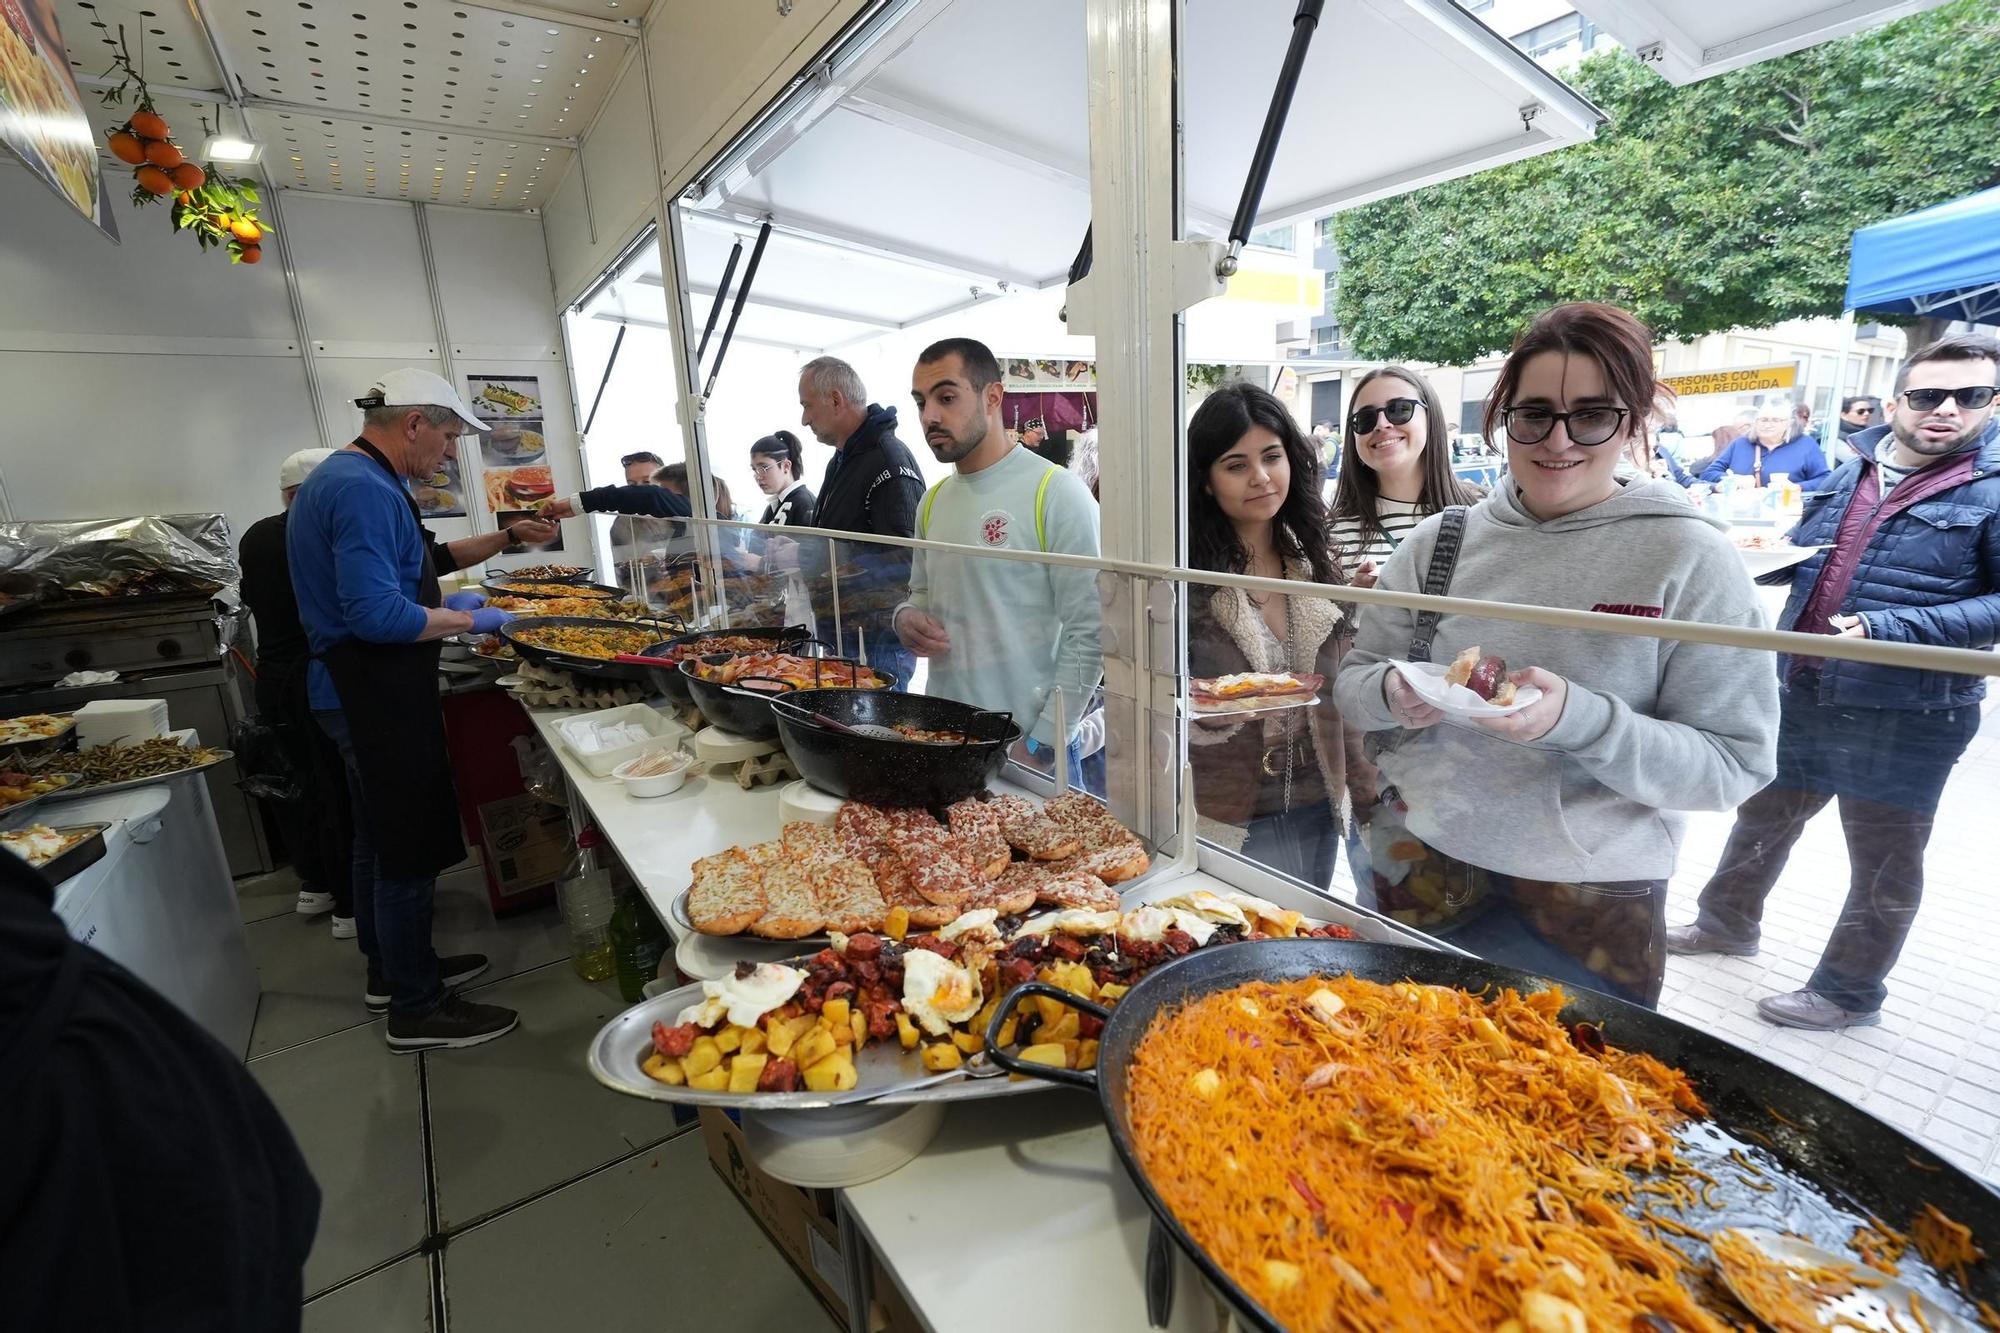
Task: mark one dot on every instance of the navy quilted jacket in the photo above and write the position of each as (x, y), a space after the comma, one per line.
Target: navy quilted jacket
(1930, 574)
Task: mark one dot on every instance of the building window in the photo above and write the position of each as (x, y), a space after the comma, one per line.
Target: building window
(1274, 238)
(1569, 36)
(1331, 290)
(1323, 232)
(1326, 339)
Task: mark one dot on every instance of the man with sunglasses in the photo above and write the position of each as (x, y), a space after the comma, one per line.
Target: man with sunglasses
(1912, 527)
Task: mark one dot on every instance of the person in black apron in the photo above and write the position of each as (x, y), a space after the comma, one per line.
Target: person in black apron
(366, 579)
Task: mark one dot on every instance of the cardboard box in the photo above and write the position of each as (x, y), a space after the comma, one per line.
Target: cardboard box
(527, 843)
(802, 1223)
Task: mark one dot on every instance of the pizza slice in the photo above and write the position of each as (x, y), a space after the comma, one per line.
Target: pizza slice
(1251, 689)
(791, 907)
(1062, 889)
(728, 893)
(848, 897)
(978, 825)
(1034, 831)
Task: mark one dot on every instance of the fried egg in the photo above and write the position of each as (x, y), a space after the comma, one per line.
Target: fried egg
(938, 992)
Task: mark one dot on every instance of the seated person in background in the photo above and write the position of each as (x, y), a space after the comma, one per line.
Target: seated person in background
(1766, 451)
(1271, 785)
(1001, 634)
(1544, 838)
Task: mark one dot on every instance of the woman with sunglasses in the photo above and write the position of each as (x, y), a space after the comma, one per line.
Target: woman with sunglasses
(1545, 838)
(1391, 479)
(1267, 784)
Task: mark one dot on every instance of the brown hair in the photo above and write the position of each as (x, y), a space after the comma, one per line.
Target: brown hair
(1957, 347)
(1358, 489)
(1621, 346)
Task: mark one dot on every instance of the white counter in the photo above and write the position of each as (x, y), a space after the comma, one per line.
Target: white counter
(1019, 1210)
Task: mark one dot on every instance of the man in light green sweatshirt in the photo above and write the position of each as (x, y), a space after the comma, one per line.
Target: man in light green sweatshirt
(1007, 635)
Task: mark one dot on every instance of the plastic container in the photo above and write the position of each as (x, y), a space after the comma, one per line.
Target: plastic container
(638, 943)
(600, 763)
(655, 784)
(585, 894)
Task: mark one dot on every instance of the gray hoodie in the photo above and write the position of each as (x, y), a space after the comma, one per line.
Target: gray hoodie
(1650, 726)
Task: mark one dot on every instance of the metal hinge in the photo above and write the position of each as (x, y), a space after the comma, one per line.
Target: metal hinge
(1529, 112)
(1652, 53)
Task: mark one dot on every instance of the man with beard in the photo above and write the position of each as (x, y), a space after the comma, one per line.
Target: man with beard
(871, 486)
(1913, 526)
(1002, 634)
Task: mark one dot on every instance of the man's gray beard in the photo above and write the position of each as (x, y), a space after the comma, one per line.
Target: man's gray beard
(1916, 444)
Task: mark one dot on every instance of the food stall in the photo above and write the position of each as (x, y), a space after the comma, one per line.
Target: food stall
(1073, 1205)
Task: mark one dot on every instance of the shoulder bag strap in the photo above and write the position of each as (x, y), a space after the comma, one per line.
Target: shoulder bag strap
(1437, 579)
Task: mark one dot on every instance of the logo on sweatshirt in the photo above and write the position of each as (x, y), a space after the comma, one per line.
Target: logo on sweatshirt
(1630, 609)
(994, 525)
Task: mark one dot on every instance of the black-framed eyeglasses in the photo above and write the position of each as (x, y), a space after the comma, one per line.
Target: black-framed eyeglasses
(1397, 410)
(1586, 426)
(1930, 400)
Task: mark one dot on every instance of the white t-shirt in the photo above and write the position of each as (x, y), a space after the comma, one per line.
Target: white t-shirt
(1018, 630)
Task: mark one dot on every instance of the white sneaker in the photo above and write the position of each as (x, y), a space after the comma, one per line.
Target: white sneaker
(343, 927)
(313, 904)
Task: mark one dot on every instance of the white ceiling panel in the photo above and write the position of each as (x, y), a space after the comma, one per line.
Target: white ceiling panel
(1690, 40)
(808, 275)
(410, 99)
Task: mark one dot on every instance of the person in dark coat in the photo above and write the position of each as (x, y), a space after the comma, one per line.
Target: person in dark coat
(1907, 540)
(872, 486)
(148, 1183)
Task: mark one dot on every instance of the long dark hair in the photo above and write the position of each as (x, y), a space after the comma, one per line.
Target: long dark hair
(1358, 493)
(1299, 530)
(782, 444)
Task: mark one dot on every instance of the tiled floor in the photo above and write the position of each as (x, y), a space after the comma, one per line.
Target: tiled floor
(496, 1189)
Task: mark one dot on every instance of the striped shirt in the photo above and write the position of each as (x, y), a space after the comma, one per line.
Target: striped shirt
(1350, 547)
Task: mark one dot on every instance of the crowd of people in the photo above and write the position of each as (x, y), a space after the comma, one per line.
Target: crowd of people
(1545, 838)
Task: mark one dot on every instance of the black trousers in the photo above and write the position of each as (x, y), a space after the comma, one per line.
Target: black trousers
(319, 826)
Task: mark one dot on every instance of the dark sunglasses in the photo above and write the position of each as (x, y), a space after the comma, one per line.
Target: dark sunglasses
(1398, 410)
(1929, 400)
(1585, 426)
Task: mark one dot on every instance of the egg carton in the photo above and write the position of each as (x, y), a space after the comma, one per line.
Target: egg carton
(546, 687)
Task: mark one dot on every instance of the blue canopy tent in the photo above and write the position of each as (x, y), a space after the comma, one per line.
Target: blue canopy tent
(1943, 262)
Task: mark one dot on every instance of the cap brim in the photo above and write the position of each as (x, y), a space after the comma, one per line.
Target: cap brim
(465, 413)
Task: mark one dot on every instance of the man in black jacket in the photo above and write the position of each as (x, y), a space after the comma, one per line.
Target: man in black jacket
(872, 486)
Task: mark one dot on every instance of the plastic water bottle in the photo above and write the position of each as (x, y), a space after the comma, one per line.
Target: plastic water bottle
(638, 943)
(587, 905)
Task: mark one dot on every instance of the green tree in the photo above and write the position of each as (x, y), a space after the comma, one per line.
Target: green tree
(1727, 203)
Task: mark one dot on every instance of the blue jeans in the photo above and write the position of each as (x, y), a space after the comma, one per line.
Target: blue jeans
(392, 917)
(1303, 843)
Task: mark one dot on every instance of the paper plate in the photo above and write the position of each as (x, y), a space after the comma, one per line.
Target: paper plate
(1427, 679)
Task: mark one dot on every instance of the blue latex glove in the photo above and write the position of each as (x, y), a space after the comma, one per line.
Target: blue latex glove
(489, 619)
(465, 601)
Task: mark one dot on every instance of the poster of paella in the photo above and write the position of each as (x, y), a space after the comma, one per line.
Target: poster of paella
(42, 118)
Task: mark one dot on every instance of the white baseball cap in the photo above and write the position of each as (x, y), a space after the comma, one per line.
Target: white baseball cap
(294, 470)
(418, 388)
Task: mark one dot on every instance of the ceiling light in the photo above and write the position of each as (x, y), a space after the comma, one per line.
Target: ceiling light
(230, 148)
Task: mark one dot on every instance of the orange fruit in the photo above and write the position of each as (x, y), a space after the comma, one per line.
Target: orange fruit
(188, 176)
(246, 230)
(147, 125)
(184, 198)
(153, 181)
(125, 146)
(164, 155)
(250, 254)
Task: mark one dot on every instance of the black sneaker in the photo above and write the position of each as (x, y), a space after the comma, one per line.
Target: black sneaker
(457, 969)
(453, 1024)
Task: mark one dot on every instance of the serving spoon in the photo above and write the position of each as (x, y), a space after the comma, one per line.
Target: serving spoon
(1888, 1305)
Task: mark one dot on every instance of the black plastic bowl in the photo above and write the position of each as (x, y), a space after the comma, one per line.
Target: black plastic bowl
(784, 639)
(745, 709)
(886, 772)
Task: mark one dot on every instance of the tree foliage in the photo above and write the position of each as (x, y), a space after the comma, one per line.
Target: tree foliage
(1727, 203)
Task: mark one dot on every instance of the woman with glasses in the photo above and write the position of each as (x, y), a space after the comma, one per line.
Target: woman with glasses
(1268, 784)
(1545, 838)
(778, 465)
(1390, 478)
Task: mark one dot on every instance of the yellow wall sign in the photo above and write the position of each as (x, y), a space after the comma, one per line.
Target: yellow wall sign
(1753, 380)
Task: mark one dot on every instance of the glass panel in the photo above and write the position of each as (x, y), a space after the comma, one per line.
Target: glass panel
(1709, 828)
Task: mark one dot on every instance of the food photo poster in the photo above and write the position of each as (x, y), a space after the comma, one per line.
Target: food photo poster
(42, 116)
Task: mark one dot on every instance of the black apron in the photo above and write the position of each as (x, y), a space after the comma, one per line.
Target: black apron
(389, 693)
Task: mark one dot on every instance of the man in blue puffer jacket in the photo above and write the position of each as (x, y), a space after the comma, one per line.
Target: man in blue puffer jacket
(1913, 527)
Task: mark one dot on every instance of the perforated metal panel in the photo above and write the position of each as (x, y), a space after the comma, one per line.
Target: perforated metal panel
(375, 92)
